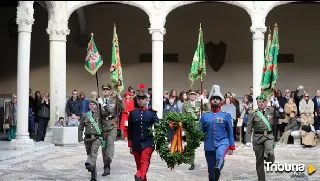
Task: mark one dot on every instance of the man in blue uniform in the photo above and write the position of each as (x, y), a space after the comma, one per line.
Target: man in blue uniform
(140, 137)
(219, 139)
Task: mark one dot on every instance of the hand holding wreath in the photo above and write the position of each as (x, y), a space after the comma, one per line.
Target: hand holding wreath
(177, 155)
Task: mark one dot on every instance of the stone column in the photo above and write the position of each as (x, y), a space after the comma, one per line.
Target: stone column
(258, 60)
(157, 69)
(58, 64)
(25, 21)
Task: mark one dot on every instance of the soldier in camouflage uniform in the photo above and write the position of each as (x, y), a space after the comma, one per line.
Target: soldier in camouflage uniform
(194, 107)
(261, 122)
(91, 121)
(112, 106)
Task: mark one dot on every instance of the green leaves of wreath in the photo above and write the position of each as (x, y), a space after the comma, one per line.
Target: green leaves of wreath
(193, 137)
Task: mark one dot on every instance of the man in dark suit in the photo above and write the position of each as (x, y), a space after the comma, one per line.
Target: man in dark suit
(316, 101)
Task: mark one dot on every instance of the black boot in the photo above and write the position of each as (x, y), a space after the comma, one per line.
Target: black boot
(93, 173)
(106, 172)
(192, 167)
(217, 174)
(137, 178)
(88, 167)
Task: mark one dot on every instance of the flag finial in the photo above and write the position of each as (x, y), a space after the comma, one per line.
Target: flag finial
(91, 34)
(114, 25)
(200, 26)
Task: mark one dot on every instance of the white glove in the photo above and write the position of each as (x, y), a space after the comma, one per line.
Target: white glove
(183, 133)
(281, 109)
(275, 103)
(230, 152)
(201, 97)
(300, 87)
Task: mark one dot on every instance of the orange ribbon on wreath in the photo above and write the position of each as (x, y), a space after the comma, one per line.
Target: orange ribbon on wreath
(176, 142)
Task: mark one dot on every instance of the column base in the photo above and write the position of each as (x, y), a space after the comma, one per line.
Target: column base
(49, 135)
(22, 142)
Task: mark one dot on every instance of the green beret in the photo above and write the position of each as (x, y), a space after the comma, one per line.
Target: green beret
(261, 97)
(93, 101)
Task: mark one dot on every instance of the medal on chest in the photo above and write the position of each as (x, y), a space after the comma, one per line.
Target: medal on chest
(219, 120)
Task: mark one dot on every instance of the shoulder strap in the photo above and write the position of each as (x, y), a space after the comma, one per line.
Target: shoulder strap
(94, 123)
(264, 120)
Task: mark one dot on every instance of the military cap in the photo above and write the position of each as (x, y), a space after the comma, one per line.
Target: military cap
(93, 101)
(191, 91)
(261, 97)
(106, 86)
(140, 91)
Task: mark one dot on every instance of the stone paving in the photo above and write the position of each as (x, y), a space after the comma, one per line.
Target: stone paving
(67, 164)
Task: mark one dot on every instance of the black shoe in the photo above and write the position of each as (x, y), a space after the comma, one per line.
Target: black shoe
(192, 167)
(105, 173)
(93, 180)
(88, 167)
(216, 174)
(137, 178)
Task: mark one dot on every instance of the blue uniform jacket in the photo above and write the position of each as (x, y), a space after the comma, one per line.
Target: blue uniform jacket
(218, 130)
(139, 124)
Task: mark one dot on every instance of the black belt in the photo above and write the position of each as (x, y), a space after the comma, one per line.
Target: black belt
(91, 136)
(261, 132)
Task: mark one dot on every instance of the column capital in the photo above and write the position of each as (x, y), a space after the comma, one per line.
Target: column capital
(24, 18)
(258, 27)
(24, 25)
(157, 29)
(258, 32)
(58, 33)
(58, 25)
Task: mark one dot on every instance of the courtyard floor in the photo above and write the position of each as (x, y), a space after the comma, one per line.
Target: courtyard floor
(67, 164)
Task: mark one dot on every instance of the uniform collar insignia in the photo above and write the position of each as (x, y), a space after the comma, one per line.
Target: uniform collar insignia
(142, 109)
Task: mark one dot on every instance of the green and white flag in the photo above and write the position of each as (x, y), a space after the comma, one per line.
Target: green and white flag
(93, 59)
(198, 67)
(270, 68)
(115, 68)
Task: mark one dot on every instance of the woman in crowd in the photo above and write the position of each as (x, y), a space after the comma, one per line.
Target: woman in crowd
(246, 108)
(129, 106)
(11, 117)
(182, 97)
(289, 107)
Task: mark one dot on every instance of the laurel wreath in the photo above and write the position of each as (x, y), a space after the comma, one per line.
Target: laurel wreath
(193, 137)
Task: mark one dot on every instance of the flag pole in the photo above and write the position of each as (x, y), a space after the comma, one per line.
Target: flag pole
(201, 88)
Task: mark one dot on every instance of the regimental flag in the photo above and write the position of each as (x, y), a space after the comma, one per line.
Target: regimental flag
(198, 67)
(270, 68)
(93, 59)
(115, 68)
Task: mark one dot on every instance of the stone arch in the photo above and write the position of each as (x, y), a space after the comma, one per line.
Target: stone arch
(183, 3)
(86, 3)
(276, 4)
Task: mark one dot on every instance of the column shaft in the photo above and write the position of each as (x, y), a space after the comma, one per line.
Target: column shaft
(58, 89)
(24, 39)
(157, 71)
(258, 60)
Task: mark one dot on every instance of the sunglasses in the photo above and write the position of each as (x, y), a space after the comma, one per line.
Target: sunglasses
(306, 96)
(105, 89)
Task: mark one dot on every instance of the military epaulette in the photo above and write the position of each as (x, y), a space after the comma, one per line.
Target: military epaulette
(153, 110)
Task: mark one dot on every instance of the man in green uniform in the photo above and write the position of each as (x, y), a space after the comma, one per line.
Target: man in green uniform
(91, 121)
(261, 122)
(112, 106)
(193, 107)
